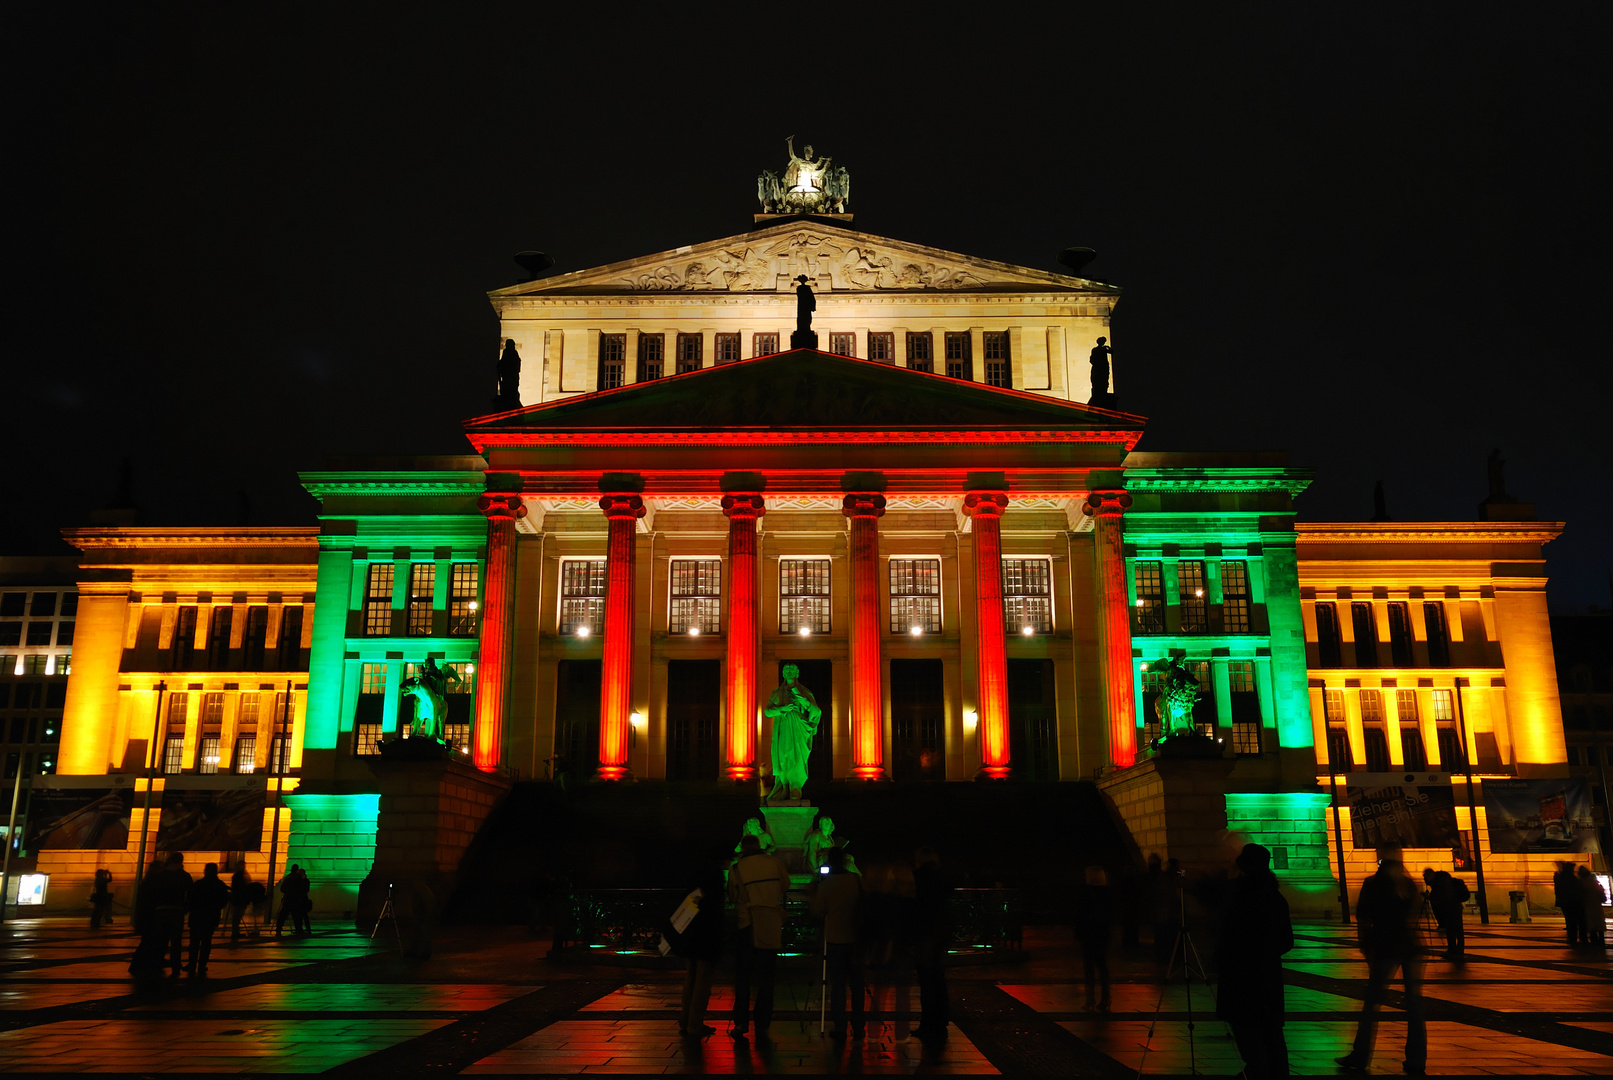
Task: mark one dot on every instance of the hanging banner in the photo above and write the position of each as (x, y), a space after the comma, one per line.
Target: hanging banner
(1540, 817)
(223, 815)
(1414, 810)
(80, 813)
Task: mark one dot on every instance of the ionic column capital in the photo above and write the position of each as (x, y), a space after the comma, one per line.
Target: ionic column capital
(868, 504)
(501, 507)
(624, 506)
(1107, 504)
(985, 503)
(742, 506)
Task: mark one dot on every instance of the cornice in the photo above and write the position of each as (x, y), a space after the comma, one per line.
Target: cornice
(785, 301)
(98, 537)
(774, 437)
(1293, 481)
(325, 484)
(1448, 532)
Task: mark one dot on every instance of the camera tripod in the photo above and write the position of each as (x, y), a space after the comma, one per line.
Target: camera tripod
(1185, 954)
(389, 910)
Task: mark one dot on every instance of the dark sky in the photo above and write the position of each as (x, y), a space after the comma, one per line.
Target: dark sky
(242, 240)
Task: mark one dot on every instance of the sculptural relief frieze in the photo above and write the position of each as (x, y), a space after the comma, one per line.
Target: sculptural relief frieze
(827, 261)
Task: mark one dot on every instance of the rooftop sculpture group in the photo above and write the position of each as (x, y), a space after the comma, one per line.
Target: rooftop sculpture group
(807, 187)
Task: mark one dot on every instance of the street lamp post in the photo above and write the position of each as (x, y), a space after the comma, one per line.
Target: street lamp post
(1472, 805)
(151, 780)
(279, 760)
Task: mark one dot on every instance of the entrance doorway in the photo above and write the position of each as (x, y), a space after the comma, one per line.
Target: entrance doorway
(918, 716)
(576, 714)
(818, 677)
(1032, 720)
(693, 692)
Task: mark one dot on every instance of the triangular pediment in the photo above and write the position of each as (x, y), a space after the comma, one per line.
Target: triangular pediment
(809, 392)
(833, 257)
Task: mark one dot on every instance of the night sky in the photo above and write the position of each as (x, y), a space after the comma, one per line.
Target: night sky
(241, 241)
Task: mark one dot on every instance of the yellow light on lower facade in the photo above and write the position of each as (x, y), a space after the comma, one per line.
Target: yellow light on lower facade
(970, 719)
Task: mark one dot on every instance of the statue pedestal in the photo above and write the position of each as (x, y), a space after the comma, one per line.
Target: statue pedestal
(1177, 806)
(804, 339)
(789, 825)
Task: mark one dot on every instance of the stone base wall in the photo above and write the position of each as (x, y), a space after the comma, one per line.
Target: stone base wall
(333, 840)
(1176, 807)
(1294, 825)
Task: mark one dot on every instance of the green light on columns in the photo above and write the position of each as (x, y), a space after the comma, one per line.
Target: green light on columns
(1289, 680)
(328, 651)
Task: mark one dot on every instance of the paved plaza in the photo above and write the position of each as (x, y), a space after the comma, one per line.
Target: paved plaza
(489, 1003)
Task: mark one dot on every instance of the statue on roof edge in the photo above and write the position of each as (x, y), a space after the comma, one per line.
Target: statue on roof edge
(808, 186)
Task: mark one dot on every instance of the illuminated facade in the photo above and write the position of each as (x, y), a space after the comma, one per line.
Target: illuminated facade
(973, 568)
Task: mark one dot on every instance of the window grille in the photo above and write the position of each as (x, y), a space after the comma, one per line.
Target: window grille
(1365, 626)
(1245, 738)
(1245, 698)
(184, 645)
(920, 352)
(1338, 734)
(36, 665)
(255, 639)
(246, 755)
(1330, 651)
(727, 348)
(289, 651)
(64, 663)
(1452, 754)
(212, 710)
(1235, 599)
(422, 588)
(1028, 596)
(843, 344)
(1371, 707)
(218, 639)
(882, 347)
(959, 355)
(1400, 636)
(207, 756)
(689, 352)
(1376, 746)
(763, 344)
(378, 600)
(173, 754)
(1444, 707)
(1150, 581)
(696, 596)
(1204, 707)
(366, 739)
(371, 704)
(1194, 605)
(612, 360)
(1412, 751)
(915, 586)
(178, 710)
(280, 756)
(651, 357)
(999, 371)
(464, 582)
(582, 596)
(803, 596)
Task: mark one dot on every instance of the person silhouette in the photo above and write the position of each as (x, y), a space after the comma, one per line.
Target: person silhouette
(1256, 931)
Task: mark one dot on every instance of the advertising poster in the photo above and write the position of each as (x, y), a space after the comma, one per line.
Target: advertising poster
(1414, 810)
(213, 818)
(70, 813)
(1540, 817)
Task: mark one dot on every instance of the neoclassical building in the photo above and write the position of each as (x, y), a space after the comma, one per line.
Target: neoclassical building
(922, 508)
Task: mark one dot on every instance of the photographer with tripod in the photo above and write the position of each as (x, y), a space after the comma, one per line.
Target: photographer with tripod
(1255, 933)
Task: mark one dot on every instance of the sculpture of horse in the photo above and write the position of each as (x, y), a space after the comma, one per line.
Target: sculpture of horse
(429, 690)
(1174, 706)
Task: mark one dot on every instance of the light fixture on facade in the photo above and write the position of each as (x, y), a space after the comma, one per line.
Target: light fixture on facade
(970, 719)
(916, 630)
(1027, 630)
(1198, 592)
(694, 631)
(1141, 602)
(583, 631)
(806, 631)
(471, 606)
(470, 669)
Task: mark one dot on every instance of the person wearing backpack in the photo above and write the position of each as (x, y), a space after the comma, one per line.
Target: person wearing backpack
(1446, 895)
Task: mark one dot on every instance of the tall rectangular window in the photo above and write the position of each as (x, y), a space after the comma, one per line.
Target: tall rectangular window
(1028, 596)
(920, 352)
(280, 756)
(1400, 637)
(246, 732)
(1150, 607)
(689, 352)
(1195, 606)
(290, 647)
(1330, 651)
(651, 356)
(612, 360)
(1235, 599)
(1365, 624)
(255, 640)
(727, 346)
(184, 644)
(422, 587)
(763, 344)
(368, 717)
(173, 754)
(582, 596)
(803, 586)
(457, 706)
(999, 370)
(246, 755)
(1245, 707)
(218, 639)
(843, 344)
(212, 711)
(1371, 706)
(178, 711)
(696, 596)
(462, 590)
(1338, 732)
(959, 355)
(1376, 745)
(207, 755)
(1412, 751)
(1439, 641)
(915, 596)
(378, 600)
(882, 346)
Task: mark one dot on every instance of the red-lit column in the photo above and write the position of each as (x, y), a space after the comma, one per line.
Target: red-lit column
(616, 696)
(742, 511)
(1106, 508)
(867, 699)
(492, 657)
(985, 509)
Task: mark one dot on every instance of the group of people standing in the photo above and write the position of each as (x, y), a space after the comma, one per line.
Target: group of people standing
(895, 928)
(1581, 897)
(169, 896)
